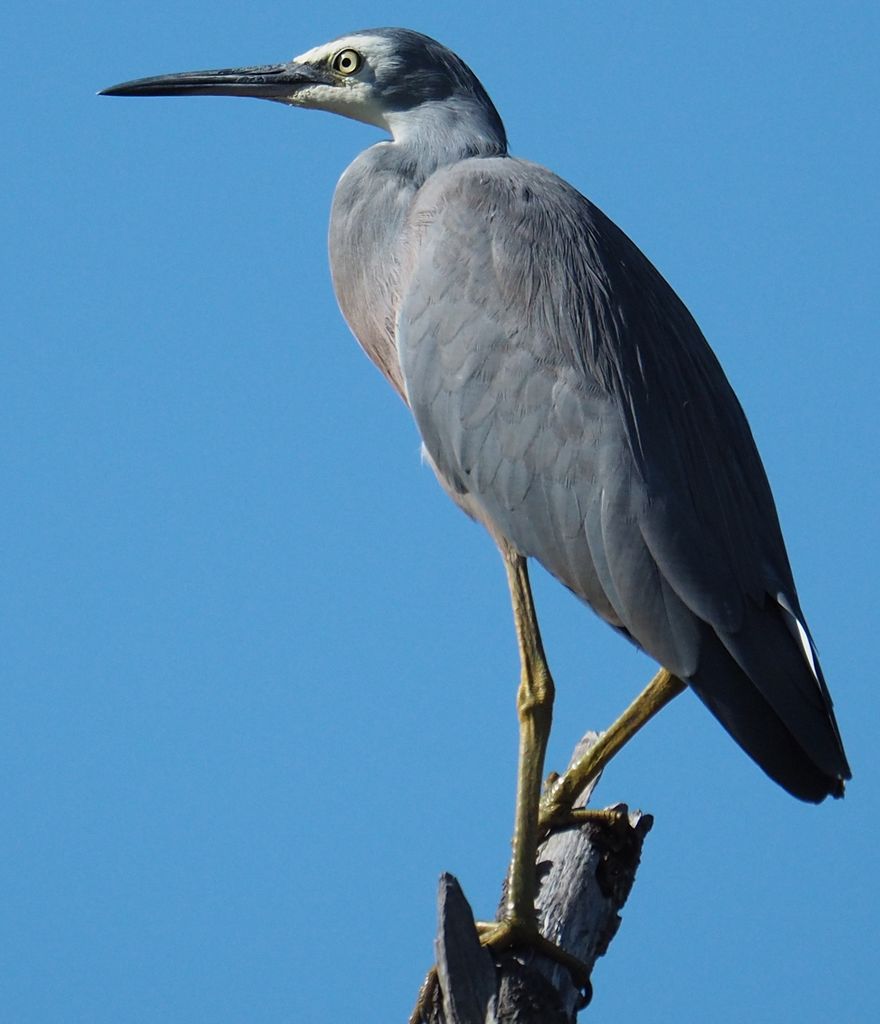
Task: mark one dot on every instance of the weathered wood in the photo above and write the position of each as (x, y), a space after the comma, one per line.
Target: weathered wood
(585, 875)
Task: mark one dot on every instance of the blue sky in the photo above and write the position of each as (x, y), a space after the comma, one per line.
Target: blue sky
(259, 674)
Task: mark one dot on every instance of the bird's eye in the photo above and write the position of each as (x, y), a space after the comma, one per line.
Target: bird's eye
(347, 62)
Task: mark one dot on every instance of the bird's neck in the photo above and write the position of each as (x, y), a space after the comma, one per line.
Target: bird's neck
(370, 207)
(435, 135)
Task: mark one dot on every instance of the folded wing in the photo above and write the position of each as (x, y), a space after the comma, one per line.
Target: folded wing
(559, 383)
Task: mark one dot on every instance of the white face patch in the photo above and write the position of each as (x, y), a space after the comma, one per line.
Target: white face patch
(355, 95)
(375, 49)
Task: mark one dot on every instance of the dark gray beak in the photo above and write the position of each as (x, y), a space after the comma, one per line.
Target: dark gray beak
(270, 82)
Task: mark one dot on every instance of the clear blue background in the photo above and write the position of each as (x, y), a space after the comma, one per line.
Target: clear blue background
(258, 673)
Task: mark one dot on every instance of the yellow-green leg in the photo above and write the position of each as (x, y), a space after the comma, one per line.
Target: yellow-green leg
(556, 805)
(534, 704)
(534, 816)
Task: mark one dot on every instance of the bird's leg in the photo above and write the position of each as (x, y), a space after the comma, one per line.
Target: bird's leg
(534, 704)
(556, 805)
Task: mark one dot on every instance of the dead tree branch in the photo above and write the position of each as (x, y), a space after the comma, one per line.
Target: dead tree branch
(585, 875)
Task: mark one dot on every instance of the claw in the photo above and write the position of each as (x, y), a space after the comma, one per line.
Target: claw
(510, 932)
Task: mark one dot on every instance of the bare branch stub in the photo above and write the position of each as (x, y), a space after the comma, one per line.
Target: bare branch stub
(586, 872)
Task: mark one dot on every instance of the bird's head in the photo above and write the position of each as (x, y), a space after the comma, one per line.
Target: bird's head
(388, 77)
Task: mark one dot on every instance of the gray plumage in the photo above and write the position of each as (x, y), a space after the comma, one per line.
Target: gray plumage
(565, 396)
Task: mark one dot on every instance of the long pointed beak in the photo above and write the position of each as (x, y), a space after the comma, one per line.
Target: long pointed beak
(270, 82)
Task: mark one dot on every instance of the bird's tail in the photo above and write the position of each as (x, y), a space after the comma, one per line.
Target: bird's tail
(771, 697)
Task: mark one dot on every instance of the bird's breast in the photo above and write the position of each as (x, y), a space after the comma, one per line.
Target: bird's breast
(366, 229)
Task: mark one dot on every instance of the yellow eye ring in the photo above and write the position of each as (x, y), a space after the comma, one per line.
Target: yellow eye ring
(347, 62)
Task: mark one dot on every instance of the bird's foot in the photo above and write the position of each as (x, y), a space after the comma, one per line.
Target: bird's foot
(556, 810)
(562, 792)
(513, 931)
(500, 936)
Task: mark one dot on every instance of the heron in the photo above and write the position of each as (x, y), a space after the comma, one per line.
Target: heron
(566, 400)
